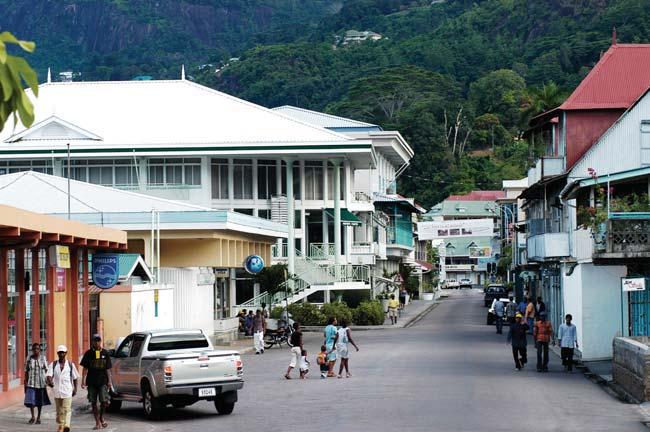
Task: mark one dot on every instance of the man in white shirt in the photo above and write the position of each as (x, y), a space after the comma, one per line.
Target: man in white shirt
(62, 376)
(568, 339)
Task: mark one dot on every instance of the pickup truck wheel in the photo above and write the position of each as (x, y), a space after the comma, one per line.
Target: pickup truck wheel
(223, 407)
(150, 404)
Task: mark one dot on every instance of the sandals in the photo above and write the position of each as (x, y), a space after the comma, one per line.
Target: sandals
(31, 421)
(287, 377)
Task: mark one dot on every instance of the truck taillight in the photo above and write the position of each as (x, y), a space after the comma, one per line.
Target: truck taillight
(167, 373)
(240, 367)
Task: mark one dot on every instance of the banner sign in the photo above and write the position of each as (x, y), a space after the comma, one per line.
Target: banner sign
(222, 273)
(633, 284)
(106, 270)
(480, 252)
(59, 283)
(431, 230)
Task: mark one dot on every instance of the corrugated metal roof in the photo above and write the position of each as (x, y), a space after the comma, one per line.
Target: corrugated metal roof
(327, 121)
(616, 81)
(464, 209)
(460, 246)
(480, 195)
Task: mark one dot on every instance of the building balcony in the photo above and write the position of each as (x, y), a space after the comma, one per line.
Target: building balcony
(549, 246)
(626, 238)
(545, 167)
(363, 253)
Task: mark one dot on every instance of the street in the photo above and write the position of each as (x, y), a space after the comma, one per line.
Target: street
(448, 372)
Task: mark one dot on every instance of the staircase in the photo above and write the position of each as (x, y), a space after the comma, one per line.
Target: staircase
(311, 278)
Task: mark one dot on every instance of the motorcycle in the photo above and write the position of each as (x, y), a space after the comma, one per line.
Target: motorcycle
(278, 336)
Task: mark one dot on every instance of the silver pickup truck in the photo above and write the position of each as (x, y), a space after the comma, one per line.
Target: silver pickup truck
(177, 367)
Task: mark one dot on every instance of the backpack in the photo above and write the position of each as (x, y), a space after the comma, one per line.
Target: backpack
(69, 366)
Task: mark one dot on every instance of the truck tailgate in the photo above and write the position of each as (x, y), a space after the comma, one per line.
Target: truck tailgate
(203, 368)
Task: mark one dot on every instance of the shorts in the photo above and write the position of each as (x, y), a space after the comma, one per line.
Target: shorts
(392, 312)
(98, 392)
(295, 356)
(343, 352)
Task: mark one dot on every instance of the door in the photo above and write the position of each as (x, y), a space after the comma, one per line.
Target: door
(131, 366)
(639, 304)
(121, 355)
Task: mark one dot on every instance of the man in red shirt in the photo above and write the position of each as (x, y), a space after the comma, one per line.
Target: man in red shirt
(542, 334)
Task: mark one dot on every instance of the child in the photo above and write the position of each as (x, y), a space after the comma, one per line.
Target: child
(322, 361)
(304, 364)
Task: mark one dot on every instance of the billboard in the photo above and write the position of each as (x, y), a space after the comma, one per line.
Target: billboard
(480, 252)
(431, 230)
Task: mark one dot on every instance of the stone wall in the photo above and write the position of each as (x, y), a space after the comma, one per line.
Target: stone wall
(631, 366)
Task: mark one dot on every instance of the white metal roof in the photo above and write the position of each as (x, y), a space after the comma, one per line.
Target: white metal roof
(516, 184)
(321, 119)
(154, 112)
(44, 193)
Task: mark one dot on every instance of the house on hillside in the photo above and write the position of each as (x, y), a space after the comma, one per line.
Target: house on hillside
(568, 132)
(354, 36)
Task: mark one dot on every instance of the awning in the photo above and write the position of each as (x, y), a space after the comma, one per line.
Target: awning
(347, 218)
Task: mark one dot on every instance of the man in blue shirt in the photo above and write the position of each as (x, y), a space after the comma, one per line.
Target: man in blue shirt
(499, 309)
(568, 339)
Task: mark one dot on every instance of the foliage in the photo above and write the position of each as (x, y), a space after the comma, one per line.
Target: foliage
(340, 310)
(427, 287)
(369, 313)
(276, 312)
(15, 72)
(307, 314)
(270, 278)
(504, 263)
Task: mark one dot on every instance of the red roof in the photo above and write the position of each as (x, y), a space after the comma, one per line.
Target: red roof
(617, 80)
(478, 196)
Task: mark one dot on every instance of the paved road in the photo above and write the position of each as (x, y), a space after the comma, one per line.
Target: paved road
(449, 372)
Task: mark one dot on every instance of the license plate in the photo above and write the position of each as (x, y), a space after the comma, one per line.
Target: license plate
(206, 392)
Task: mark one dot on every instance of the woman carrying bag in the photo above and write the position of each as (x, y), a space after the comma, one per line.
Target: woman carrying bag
(35, 383)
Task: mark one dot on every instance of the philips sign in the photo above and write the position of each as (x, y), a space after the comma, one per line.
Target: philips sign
(106, 270)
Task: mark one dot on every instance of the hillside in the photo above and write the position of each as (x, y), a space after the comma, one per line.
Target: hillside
(459, 78)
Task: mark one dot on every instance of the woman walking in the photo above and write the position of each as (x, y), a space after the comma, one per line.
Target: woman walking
(35, 383)
(330, 336)
(296, 350)
(343, 337)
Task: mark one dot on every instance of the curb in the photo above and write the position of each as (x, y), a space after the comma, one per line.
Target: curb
(421, 315)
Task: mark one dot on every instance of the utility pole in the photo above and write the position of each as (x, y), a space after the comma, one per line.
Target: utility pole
(68, 145)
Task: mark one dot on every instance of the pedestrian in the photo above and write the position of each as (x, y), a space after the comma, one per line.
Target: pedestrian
(321, 360)
(62, 376)
(343, 337)
(521, 308)
(402, 297)
(392, 309)
(96, 377)
(35, 383)
(542, 335)
(540, 306)
(242, 320)
(511, 311)
(259, 328)
(304, 364)
(296, 348)
(499, 310)
(568, 340)
(529, 316)
(249, 323)
(265, 312)
(517, 338)
(330, 335)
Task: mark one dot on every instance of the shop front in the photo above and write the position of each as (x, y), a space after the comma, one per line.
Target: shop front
(44, 282)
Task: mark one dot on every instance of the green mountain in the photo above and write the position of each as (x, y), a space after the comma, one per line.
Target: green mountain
(460, 79)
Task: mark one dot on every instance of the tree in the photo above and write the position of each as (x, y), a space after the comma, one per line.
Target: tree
(500, 92)
(15, 72)
(270, 278)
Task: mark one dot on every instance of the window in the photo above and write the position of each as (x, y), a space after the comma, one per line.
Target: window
(42, 166)
(330, 182)
(174, 171)
(138, 341)
(266, 180)
(244, 211)
(183, 341)
(105, 172)
(219, 179)
(313, 180)
(125, 349)
(264, 214)
(243, 179)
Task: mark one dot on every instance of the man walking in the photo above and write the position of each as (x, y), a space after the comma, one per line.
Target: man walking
(392, 309)
(511, 311)
(499, 309)
(96, 377)
(542, 335)
(529, 316)
(517, 337)
(568, 339)
(62, 376)
(259, 328)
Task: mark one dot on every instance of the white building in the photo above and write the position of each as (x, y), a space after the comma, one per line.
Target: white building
(182, 141)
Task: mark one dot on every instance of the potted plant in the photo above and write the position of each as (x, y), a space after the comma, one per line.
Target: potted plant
(383, 298)
(427, 291)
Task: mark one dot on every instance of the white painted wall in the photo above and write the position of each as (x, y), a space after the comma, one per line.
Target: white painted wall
(572, 292)
(143, 316)
(193, 304)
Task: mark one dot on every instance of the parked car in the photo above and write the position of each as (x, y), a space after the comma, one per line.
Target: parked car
(465, 283)
(452, 283)
(174, 367)
(490, 314)
(492, 292)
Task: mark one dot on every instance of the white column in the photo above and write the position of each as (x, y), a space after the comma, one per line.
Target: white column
(231, 181)
(256, 289)
(326, 232)
(206, 180)
(232, 298)
(254, 179)
(291, 242)
(142, 174)
(337, 214)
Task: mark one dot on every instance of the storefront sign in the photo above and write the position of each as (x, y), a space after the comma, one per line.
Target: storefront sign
(106, 270)
(432, 230)
(205, 279)
(60, 280)
(60, 256)
(480, 252)
(254, 264)
(222, 273)
(633, 284)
